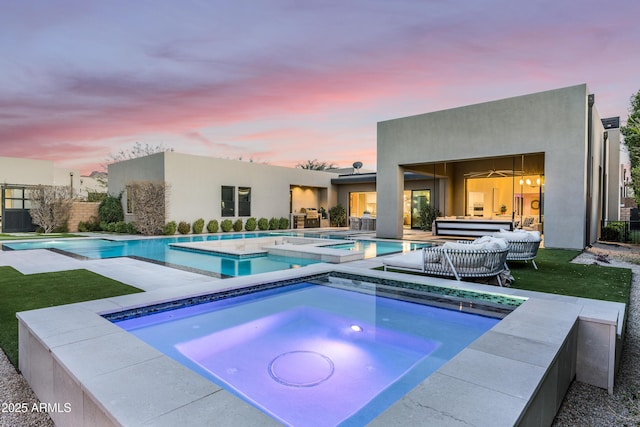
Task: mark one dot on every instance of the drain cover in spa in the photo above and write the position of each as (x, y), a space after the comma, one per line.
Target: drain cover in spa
(301, 368)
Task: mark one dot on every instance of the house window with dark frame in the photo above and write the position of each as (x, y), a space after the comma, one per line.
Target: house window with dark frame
(228, 202)
(130, 199)
(244, 201)
(16, 198)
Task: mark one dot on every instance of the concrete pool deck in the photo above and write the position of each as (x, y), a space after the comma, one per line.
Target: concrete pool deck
(517, 373)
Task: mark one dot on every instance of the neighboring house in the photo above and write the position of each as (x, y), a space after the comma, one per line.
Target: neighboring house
(211, 188)
(96, 182)
(545, 156)
(17, 175)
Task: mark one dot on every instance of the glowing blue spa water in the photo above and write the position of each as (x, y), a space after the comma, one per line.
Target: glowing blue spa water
(311, 354)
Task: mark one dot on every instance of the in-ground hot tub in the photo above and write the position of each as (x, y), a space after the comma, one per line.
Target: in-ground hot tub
(517, 372)
(317, 352)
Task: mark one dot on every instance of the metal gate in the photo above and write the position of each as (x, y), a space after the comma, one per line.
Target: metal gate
(16, 217)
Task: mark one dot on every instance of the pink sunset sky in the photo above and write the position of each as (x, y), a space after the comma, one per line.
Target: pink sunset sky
(285, 81)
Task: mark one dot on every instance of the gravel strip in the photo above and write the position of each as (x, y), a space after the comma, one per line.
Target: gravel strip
(18, 405)
(584, 405)
(589, 406)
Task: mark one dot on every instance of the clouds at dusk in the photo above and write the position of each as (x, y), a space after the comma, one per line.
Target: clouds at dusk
(282, 81)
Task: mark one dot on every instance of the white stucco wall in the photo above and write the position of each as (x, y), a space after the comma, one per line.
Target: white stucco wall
(26, 171)
(552, 122)
(19, 171)
(195, 184)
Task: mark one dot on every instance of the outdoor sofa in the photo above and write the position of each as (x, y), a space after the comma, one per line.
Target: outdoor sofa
(523, 245)
(486, 257)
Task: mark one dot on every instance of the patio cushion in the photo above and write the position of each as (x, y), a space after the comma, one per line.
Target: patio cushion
(411, 259)
(458, 246)
(519, 235)
(492, 242)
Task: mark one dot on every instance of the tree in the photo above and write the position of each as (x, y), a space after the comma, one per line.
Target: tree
(316, 165)
(138, 150)
(149, 200)
(338, 216)
(50, 206)
(110, 209)
(631, 132)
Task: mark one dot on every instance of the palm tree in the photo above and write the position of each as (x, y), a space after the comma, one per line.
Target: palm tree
(316, 165)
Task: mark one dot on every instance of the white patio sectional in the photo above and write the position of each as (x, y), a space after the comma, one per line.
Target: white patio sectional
(485, 257)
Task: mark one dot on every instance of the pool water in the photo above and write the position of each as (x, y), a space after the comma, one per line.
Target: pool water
(159, 250)
(374, 248)
(311, 354)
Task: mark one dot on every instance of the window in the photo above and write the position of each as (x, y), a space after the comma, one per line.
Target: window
(244, 201)
(130, 202)
(228, 201)
(16, 198)
(359, 203)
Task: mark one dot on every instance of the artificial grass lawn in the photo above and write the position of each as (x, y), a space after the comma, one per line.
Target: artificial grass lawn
(19, 292)
(35, 236)
(557, 275)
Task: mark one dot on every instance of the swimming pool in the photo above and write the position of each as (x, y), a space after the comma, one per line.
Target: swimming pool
(314, 352)
(159, 250)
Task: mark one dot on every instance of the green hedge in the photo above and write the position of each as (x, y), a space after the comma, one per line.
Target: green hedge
(212, 226)
(251, 224)
(226, 225)
(198, 226)
(170, 229)
(184, 227)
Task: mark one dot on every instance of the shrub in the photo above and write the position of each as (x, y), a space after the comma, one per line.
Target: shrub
(614, 232)
(50, 207)
(110, 209)
(132, 228)
(274, 223)
(92, 225)
(428, 214)
(226, 225)
(251, 224)
(263, 224)
(184, 227)
(121, 227)
(147, 202)
(110, 227)
(338, 216)
(283, 224)
(237, 225)
(198, 226)
(212, 226)
(95, 196)
(170, 228)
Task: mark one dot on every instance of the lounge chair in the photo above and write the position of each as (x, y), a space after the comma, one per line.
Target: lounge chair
(456, 260)
(523, 245)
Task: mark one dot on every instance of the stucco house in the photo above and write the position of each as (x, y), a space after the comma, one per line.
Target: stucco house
(213, 188)
(544, 157)
(17, 175)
